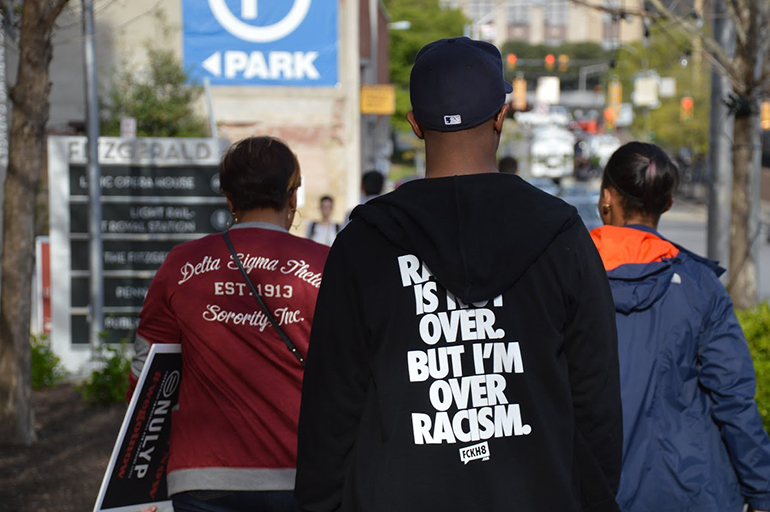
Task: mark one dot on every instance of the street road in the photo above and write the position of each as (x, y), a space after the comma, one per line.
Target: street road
(685, 224)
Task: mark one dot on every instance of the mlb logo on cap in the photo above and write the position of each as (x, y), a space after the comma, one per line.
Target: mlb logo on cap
(457, 75)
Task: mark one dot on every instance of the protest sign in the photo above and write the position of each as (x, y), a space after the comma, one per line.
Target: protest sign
(136, 475)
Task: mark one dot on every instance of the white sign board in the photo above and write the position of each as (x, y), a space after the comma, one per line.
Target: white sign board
(128, 127)
(667, 87)
(646, 92)
(156, 193)
(548, 90)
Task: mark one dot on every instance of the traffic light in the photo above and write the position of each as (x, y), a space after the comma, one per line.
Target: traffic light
(550, 60)
(563, 62)
(511, 61)
(686, 106)
(610, 117)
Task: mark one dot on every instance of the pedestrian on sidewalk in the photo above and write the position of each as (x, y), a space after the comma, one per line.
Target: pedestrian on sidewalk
(692, 435)
(325, 230)
(233, 438)
(463, 354)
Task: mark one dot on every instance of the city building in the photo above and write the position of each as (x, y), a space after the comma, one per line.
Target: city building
(320, 121)
(551, 22)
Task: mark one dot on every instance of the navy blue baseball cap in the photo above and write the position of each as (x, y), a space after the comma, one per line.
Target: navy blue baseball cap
(457, 84)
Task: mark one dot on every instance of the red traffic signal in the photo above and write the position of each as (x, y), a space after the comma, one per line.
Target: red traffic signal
(550, 60)
(511, 60)
(685, 112)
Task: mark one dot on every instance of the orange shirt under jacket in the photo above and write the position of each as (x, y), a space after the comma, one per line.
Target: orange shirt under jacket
(621, 245)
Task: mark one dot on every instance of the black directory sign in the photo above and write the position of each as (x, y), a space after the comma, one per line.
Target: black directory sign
(136, 475)
(156, 194)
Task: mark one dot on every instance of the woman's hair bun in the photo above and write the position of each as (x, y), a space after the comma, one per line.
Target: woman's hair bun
(644, 175)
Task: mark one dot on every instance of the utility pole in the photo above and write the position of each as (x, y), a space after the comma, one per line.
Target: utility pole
(96, 282)
(370, 77)
(720, 183)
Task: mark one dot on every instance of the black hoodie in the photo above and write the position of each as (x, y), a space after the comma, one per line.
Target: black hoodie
(463, 357)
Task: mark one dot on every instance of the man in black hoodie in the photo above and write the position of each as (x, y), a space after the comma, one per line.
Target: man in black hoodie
(463, 354)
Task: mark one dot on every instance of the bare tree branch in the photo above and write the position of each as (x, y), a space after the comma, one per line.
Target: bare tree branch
(56, 9)
(709, 44)
(735, 10)
(712, 50)
(618, 12)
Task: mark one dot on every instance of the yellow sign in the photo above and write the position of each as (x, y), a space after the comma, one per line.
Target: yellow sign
(519, 102)
(765, 115)
(615, 93)
(379, 100)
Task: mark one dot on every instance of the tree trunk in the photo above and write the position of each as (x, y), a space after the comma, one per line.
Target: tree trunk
(27, 147)
(747, 165)
(744, 226)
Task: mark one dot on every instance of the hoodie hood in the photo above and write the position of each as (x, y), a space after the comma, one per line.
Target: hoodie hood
(640, 264)
(476, 233)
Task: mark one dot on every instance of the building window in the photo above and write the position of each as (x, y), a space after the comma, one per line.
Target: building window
(518, 12)
(478, 9)
(556, 13)
(611, 36)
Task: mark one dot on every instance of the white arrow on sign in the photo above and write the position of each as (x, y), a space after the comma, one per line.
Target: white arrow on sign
(213, 64)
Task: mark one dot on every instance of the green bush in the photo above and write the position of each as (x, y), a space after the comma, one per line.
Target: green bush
(756, 326)
(46, 366)
(109, 383)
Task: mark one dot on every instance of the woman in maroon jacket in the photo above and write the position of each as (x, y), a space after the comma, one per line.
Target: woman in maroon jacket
(233, 438)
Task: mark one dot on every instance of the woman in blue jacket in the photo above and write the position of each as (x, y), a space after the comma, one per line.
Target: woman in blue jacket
(693, 437)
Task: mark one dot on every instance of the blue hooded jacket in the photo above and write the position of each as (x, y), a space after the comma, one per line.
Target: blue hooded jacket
(693, 439)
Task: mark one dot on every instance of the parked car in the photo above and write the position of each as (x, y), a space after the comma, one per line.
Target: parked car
(544, 116)
(601, 147)
(552, 153)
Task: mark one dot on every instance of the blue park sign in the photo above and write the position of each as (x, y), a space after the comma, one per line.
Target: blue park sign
(261, 42)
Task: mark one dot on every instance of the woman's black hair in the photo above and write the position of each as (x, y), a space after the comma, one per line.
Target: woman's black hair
(259, 172)
(644, 176)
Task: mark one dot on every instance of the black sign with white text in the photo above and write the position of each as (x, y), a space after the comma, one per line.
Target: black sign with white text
(136, 475)
(149, 181)
(138, 218)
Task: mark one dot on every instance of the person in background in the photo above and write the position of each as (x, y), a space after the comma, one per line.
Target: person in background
(324, 231)
(233, 438)
(692, 435)
(463, 356)
(372, 184)
(508, 165)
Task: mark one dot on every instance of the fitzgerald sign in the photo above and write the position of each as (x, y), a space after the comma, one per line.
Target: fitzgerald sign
(156, 193)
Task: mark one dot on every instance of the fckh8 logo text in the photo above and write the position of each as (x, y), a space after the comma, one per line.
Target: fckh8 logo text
(475, 452)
